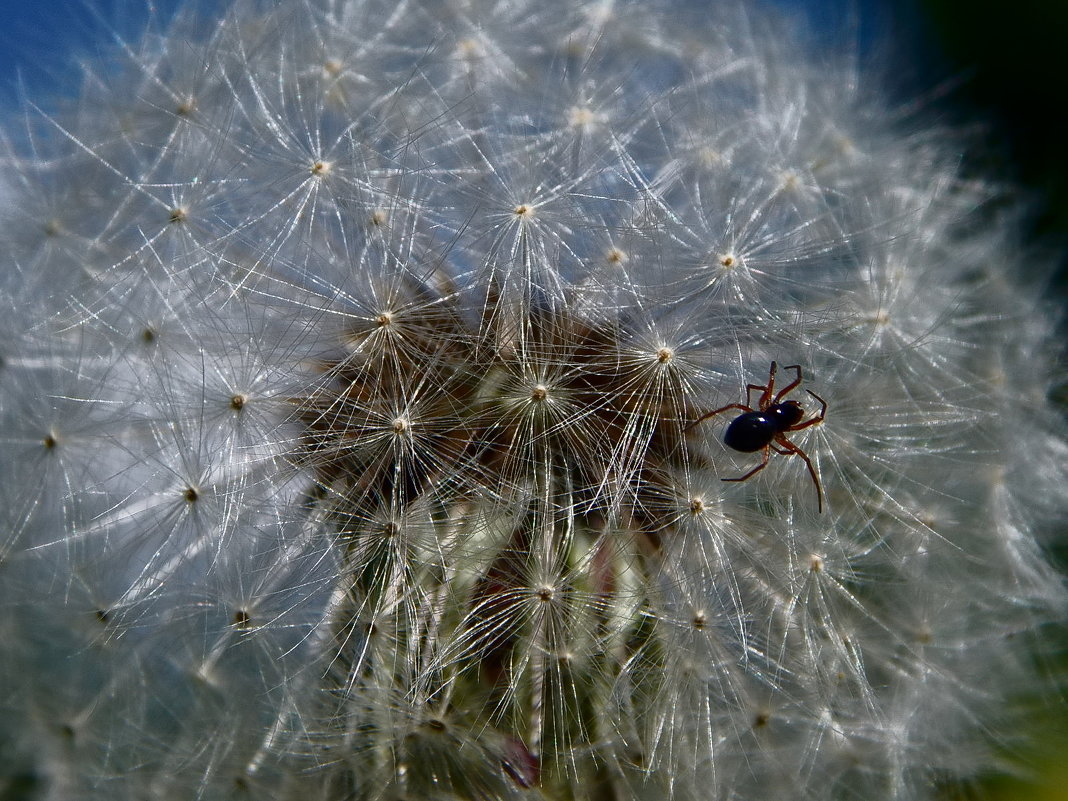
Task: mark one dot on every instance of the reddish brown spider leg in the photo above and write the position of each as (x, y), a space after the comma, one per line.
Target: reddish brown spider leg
(823, 404)
(705, 416)
(755, 470)
(765, 395)
(765, 399)
(781, 440)
(791, 386)
(818, 418)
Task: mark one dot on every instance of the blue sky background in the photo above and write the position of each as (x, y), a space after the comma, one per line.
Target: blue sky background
(34, 32)
(38, 38)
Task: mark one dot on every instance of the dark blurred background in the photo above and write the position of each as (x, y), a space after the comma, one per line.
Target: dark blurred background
(1013, 58)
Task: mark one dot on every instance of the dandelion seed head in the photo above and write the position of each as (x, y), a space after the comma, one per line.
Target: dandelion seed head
(358, 396)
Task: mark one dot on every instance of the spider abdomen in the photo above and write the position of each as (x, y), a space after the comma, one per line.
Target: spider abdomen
(752, 431)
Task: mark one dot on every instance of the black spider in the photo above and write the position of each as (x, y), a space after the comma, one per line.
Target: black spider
(766, 426)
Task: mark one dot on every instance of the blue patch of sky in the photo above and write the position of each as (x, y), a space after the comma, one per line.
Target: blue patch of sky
(41, 41)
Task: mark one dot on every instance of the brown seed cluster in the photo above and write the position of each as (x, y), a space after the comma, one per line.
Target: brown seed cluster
(537, 417)
(423, 404)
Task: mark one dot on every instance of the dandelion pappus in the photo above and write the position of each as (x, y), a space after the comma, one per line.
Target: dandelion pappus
(765, 427)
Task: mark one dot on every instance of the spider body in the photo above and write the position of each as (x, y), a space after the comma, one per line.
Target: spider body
(765, 427)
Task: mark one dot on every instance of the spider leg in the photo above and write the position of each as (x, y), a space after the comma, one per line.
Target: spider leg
(755, 470)
(823, 403)
(781, 440)
(705, 416)
(765, 395)
(817, 418)
(765, 399)
(791, 386)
